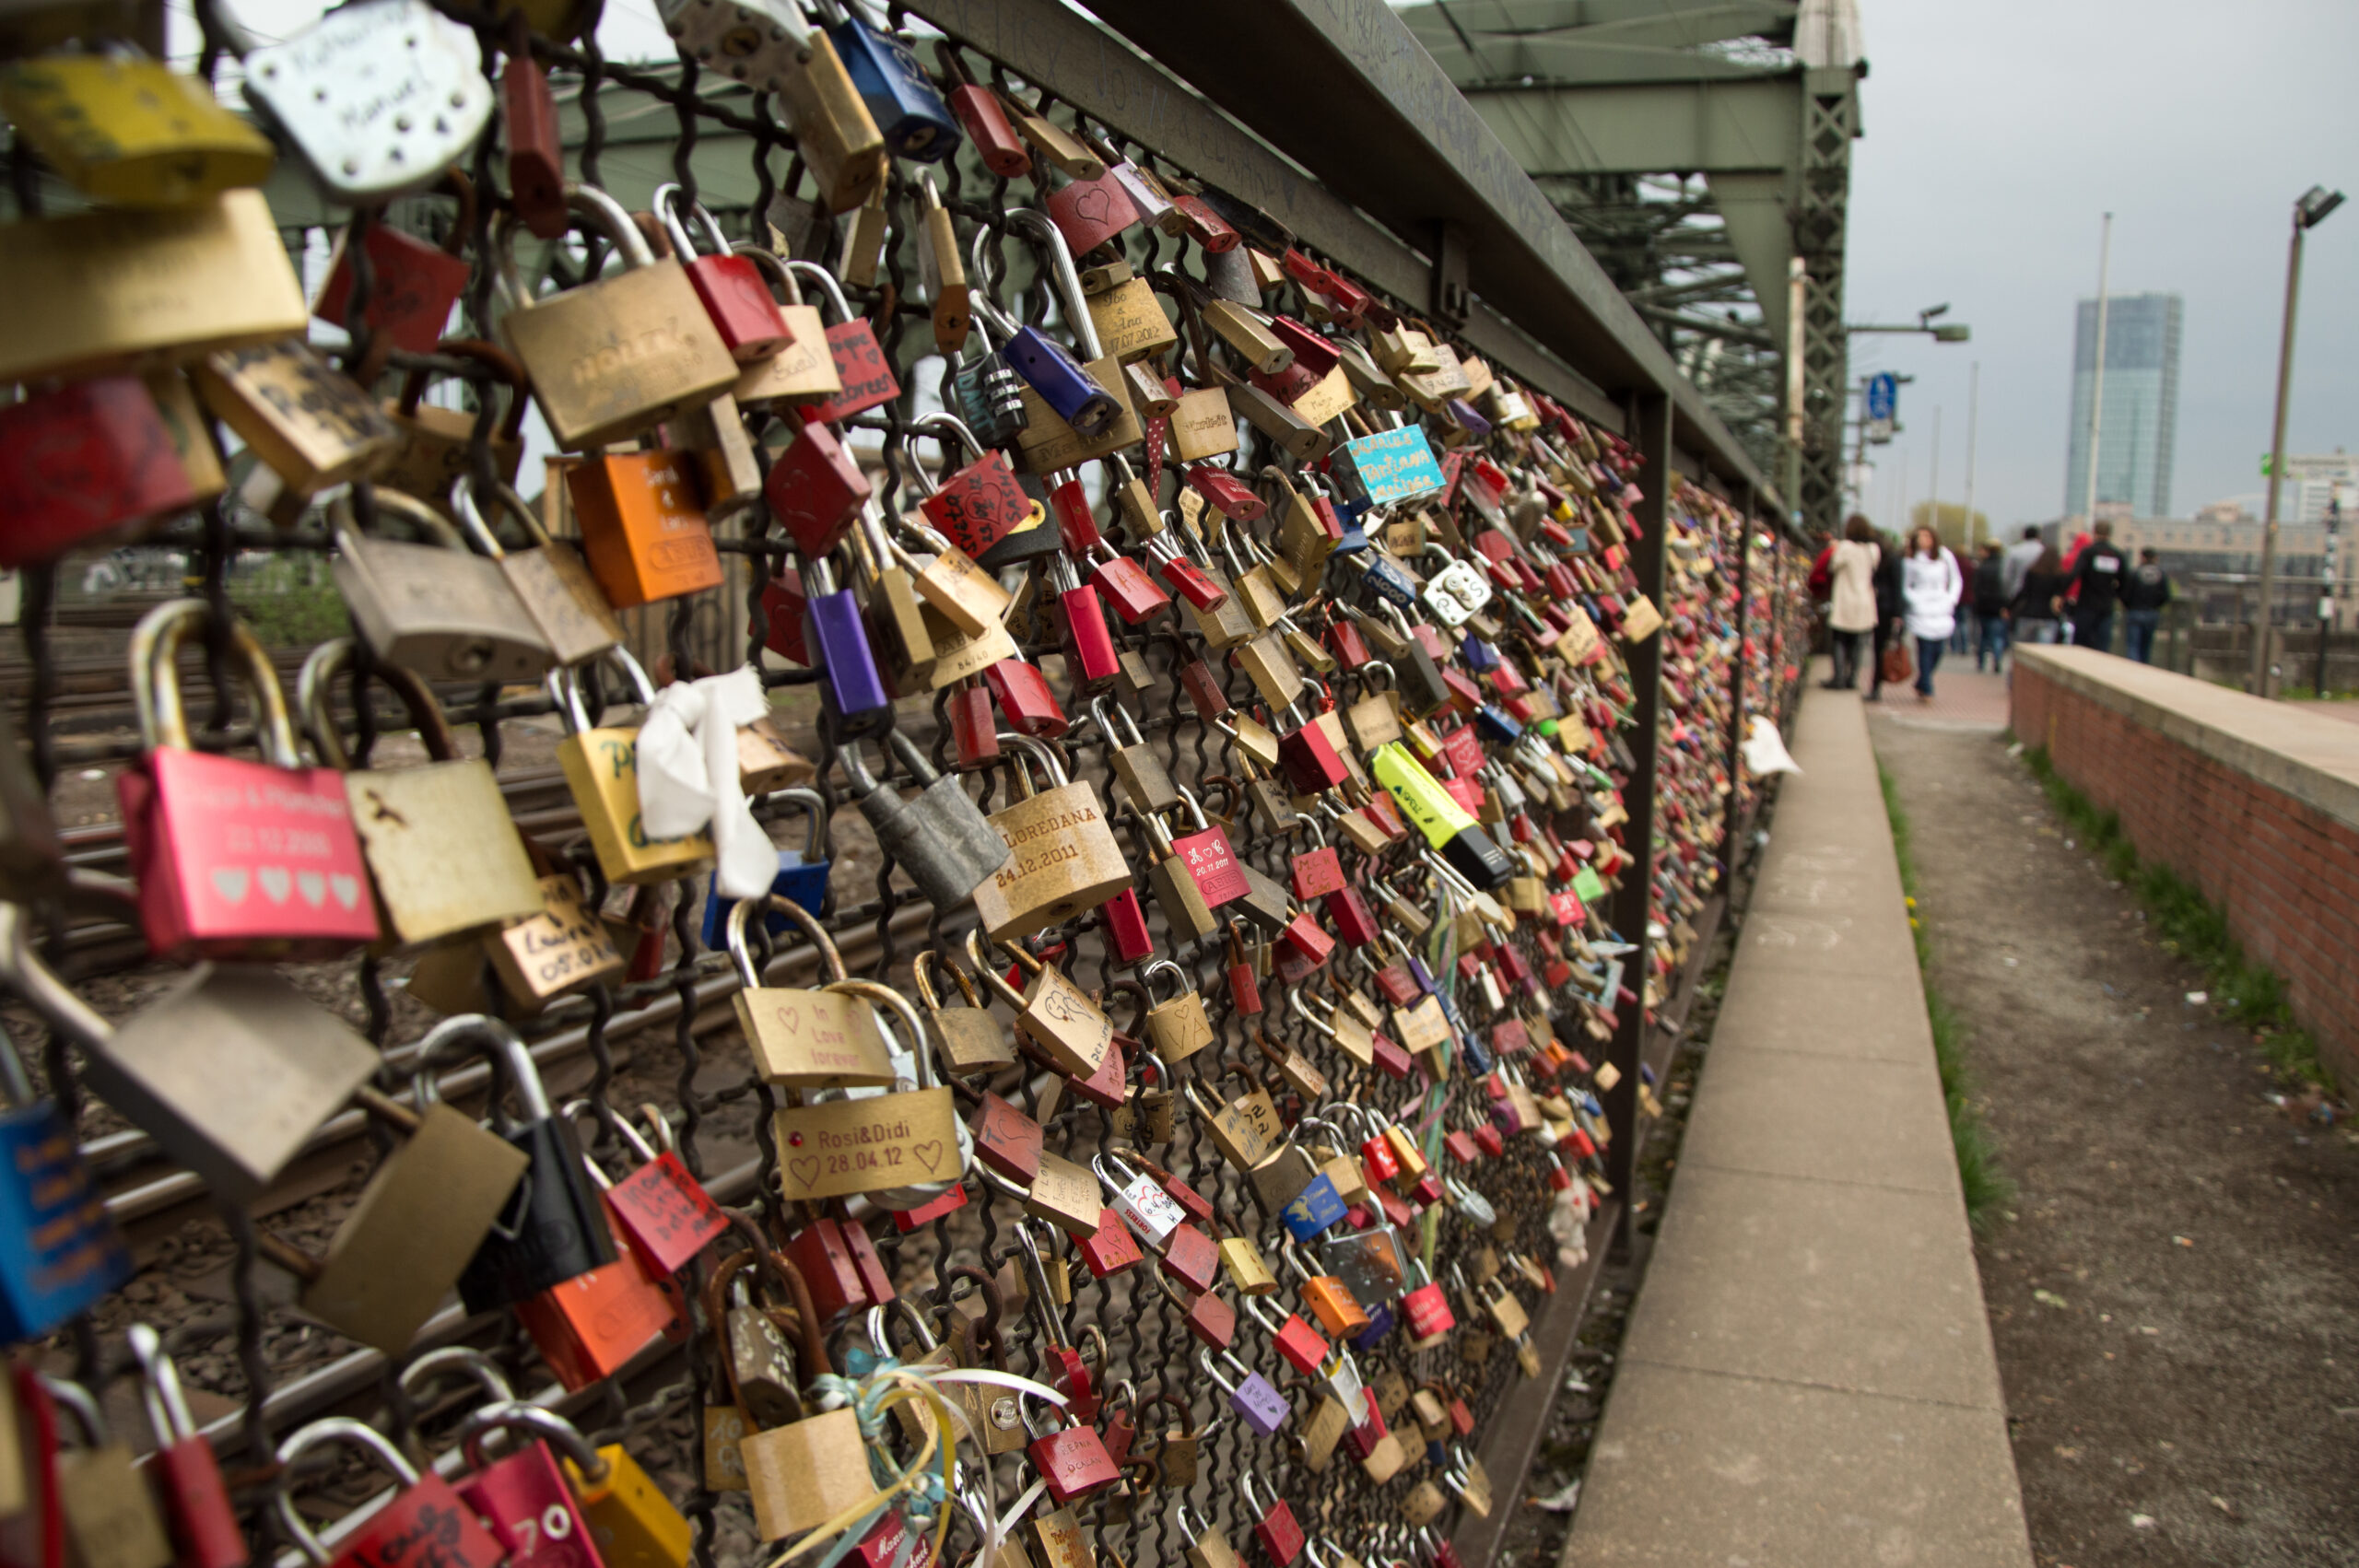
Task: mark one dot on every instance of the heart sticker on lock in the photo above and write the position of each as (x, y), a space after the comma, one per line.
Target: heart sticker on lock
(230, 883)
(276, 881)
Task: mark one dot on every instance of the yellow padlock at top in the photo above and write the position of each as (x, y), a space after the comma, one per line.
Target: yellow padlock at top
(132, 132)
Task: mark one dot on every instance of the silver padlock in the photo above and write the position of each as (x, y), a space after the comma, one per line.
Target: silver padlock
(438, 609)
(757, 42)
(380, 98)
(941, 838)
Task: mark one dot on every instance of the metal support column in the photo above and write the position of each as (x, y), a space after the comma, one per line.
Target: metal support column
(1736, 685)
(1827, 129)
(1650, 431)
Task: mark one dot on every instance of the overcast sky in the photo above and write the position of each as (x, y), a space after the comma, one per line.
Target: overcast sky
(1998, 134)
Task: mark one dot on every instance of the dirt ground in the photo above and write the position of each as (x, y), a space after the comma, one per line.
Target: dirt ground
(2175, 1290)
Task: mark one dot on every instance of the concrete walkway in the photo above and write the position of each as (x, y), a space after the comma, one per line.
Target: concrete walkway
(1808, 1378)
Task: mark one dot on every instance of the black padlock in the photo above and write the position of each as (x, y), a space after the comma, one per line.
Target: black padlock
(1421, 689)
(1025, 544)
(554, 1228)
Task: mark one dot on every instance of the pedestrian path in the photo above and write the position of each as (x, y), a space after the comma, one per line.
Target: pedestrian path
(1808, 1377)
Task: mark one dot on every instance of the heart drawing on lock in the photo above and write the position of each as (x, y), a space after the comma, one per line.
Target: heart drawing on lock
(312, 886)
(928, 1154)
(805, 1170)
(345, 887)
(275, 882)
(788, 1016)
(1092, 205)
(229, 881)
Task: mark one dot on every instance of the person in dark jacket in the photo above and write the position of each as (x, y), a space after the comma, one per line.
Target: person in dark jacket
(2037, 603)
(2143, 594)
(2096, 583)
(1990, 590)
(1890, 608)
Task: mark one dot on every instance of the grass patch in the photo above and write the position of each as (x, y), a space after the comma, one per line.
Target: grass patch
(2189, 924)
(1988, 1189)
(291, 602)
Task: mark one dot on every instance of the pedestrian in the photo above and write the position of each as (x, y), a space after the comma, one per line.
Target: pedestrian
(2142, 598)
(2097, 581)
(2037, 607)
(1962, 616)
(2020, 555)
(1889, 609)
(1930, 588)
(1852, 613)
(1991, 607)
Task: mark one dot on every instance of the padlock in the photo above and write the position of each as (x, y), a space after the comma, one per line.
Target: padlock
(601, 767)
(104, 1513)
(412, 285)
(309, 425)
(631, 1522)
(947, 579)
(643, 526)
(86, 464)
(442, 851)
(523, 1497)
(1252, 1396)
(762, 1370)
(436, 444)
(548, 579)
(660, 1210)
(1273, 1525)
(1297, 1342)
(1425, 1306)
(196, 825)
(1185, 908)
(1072, 1459)
(1089, 382)
(903, 1148)
(803, 1040)
(554, 1228)
(185, 1473)
(344, 92)
(865, 375)
(1177, 1028)
(802, 370)
(907, 112)
(976, 507)
(1064, 857)
(1053, 1013)
(759, 42)
(1244, 1131)
(647, 317)
(131, 131)
(416, 606)
(967, 1040)
(1066, 389)
(424, 1515)
(1246, 1269)
(733, 291)
(1330, 1300)
(941, 839)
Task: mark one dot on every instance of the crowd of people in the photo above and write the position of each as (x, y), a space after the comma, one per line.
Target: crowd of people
(1901, 607)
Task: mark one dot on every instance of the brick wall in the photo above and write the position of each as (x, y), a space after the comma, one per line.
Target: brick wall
(2248, 800)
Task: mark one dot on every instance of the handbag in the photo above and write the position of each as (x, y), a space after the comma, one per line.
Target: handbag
(1898, 665)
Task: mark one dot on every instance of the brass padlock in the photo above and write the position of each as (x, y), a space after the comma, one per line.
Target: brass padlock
(1055, 1014)
(1176, 1029)
(1064, 858)
(601, 767)
(967, 1041)
(805, 1039)
(618, 355)
(442, 850)
(436, 443)
(834, 132)
(549, 579)
(132, 132)
(437, 609)
(804, 371)
(304, 418)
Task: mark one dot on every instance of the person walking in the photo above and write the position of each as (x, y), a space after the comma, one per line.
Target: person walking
(1851, 593)
(2147, 589)
(2096, 578)
(2020, 555)
(1930, 588)
(1962, 618)
(1889, 609)
(2035, 608)
(1991, 596)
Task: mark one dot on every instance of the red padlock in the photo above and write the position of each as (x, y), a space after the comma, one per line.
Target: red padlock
(1006, 1139)
(1344, 641)
(860, 366)
(1210, 861)
(1302, 1346)
(1192, 1258)
(820, 1251)
(974, 725)
(235, 860)
(1306, 939)
(979, 505)
(1190, 580)
(1233, 498)
(734, 294)
(1110, 1250)
(91, 462)
(1123, 583)
(815, 490)
(1091, 661)
(1074, 1462)
(660, 1209)
(523, 1495)
(1425, 1306)
(1211, 1319)
(1203, 689)
(536, 143)
(1461, 1145)
(1354, 921)
(1089, 213)
(425, 1518)
(412, 285)
(783, 607)
(1126, 927)
(1244, 988)
(1025, 699)
(590, 1326)
(1308, 760)
(1316, 872)
(195, 1502)
(1205, 227)
(1280, 1535)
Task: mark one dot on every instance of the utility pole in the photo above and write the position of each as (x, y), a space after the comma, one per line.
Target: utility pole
(2326, 582)
(1973, 402)
(2096, 387)
(1934, 501)
(2309, 211)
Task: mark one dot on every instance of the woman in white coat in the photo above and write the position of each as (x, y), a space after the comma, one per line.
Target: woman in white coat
(1851, 607)
(1930, 585)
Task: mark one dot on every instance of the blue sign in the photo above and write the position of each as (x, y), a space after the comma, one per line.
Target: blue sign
(1883, 395)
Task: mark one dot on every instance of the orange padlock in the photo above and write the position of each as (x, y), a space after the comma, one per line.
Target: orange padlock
(641, 526)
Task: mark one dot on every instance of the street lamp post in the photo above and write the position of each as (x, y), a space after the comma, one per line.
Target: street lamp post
(2309, 211)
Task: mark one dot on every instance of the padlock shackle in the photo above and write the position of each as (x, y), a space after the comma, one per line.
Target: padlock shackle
(927, 997)
(572, 1110)
(568, 680)
(517, 1415)
(463, 1359)
(907, 1310)
(1041, 752)
(161, 1391)
(343, 518)
(666, 203)
(71, 1397)
(608, 215)
(1051, 1322)
(1035, 226)
(479, 531)
(770, 267)
(477, 1034)
(156, 682)
(876, 992)
(989, 973)
(740, 952)
(315, 692)
(827, 286)
(348, 1432)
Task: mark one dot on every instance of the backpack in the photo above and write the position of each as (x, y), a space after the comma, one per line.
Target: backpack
(1991, 586)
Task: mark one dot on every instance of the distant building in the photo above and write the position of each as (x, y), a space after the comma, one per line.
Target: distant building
(2232, 510)
(2229, 546)
(2134, 449)
(2313, 481)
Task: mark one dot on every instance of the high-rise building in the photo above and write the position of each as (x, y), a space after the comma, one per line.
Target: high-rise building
(2141, 403)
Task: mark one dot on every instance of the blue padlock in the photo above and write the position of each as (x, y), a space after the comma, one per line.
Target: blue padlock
(1480, 656)
(1380, 1320)
(59, 1252)
(1496, 728)
(1314, 1209)
(910, 114)
(1047, 366)
(802, 874)
(1479, 1060)
(837, 643)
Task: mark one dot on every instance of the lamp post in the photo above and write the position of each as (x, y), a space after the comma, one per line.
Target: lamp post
(2309, 210)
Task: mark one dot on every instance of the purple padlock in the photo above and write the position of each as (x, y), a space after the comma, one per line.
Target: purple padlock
(1379, 1324)
(838, 647)
(1264, 1409)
